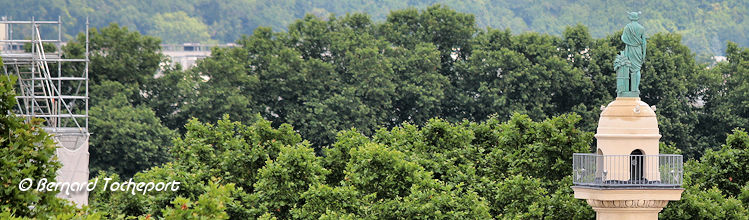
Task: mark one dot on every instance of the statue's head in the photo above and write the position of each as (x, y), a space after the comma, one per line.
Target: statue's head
(634, 16)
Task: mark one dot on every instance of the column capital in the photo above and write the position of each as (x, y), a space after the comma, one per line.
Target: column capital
(595, 203)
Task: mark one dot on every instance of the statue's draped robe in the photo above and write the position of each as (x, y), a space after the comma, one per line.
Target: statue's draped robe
(634, 37)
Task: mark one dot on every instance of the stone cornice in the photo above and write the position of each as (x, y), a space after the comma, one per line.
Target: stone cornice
(627, 203)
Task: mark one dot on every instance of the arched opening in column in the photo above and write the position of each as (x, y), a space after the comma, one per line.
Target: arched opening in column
(636, 159)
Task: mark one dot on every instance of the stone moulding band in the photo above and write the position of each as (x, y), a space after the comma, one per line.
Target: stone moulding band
(617, 130)
(635, 115)
(629, 136)
(627, 203)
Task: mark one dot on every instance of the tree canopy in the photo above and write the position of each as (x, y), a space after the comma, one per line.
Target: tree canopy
(421, 115)
(435, 171)
(326, 75)
(705, 25)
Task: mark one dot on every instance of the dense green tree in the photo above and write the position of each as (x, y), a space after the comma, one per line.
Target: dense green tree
(704, 204)
(219, 85)
(282, 181)
(725, 168)
(716, 184)
(744, 196)
(524, 73)
(517, 197)
(350, 72)
(375, 169)
(168, 96)
(321, 199)
(118, 205)
(338, 155)
(477, 156)
(118, 54)
(447, 29)
(725, 98)
(207, 154)
(302, 78)
(128, 135)
(126, 139)
(211, 205)
(432, 172)
(27, 151)
(215, 148)
(441, 201)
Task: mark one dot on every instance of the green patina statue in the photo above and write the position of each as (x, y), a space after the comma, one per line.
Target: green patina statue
(629, 61)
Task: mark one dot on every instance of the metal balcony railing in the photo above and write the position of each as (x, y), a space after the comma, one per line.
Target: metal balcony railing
(611, 171)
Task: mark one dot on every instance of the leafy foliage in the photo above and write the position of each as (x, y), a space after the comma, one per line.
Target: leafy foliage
(716, 185)
(324, 76)
(27, 151)
(130, 139)
(128, 135)
(364, 95)
(725, 168)
(210, 205)
(705, 25)
(379, 179)
(726, 98)
(282, 181)
(701, 204)
(118, 54)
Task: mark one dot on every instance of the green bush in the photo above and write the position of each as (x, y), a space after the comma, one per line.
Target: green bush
(127, 138)
(26, 151)
(211, 205)
(704, 204)
(376, 169)
(283, 180)
(320, 199)
(725, 168)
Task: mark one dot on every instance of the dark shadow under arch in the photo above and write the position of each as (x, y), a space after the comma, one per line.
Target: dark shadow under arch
(636, 159)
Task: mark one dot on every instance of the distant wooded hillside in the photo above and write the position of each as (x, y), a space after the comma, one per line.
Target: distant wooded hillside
(704, 25)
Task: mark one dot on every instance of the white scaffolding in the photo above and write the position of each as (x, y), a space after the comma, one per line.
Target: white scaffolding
(52, 87)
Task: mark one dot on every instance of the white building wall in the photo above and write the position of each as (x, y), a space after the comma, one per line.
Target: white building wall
(74, 156)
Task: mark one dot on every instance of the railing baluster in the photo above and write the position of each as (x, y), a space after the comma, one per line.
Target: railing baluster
(664, 170)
